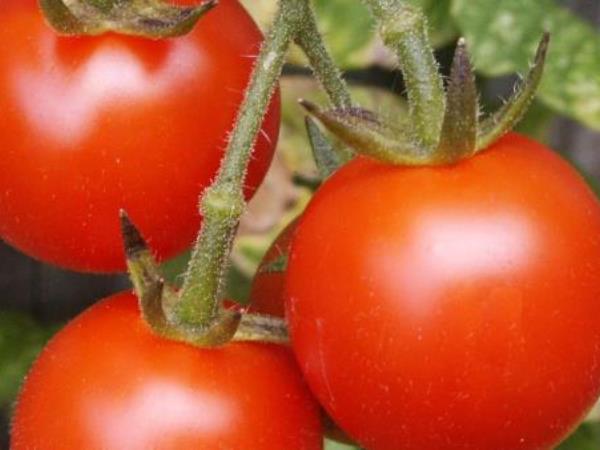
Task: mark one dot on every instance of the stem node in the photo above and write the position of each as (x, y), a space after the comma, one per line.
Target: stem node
(223, 202)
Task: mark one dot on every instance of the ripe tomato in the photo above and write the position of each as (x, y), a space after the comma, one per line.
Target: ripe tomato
(451, 307)
(106, 382)
(89, 125)
(266, 294)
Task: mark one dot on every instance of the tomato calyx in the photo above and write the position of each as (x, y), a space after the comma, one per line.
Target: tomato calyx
(158, 302)
(154, 19)
(328, 158)
(368, 134)
(462, 134)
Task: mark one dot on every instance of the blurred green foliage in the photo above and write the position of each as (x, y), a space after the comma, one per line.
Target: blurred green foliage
(503, 35)
(21, 339)
(587, 437)
(339, 20)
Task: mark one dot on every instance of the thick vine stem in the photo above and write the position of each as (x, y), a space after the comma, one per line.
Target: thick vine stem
(403, 28)
(222, 204)
(199, 301)
(154, 19)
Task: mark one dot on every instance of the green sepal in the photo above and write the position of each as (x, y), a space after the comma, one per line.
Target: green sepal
(154, 19)
(157, 300)
(262, 328)
(462, 134)
(459, 131)
(367, 135)
(327, 158)
(144, 273)
(515, 108)
(61, 18)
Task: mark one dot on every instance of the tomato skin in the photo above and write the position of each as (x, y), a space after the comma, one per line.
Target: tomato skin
(90, 125)
(451, 307)
(106, 382)
(267, 291)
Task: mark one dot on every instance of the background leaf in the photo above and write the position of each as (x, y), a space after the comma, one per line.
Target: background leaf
(587, 437)
(21, 339)
(502, 36)
(442, 28)
(339, 21)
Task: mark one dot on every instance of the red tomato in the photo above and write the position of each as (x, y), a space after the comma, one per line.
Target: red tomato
(89, 125)
(106, 382)
(266, 294)
(451, 307)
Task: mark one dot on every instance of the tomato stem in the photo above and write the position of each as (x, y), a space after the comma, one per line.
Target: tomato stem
(223, 203)
(310, 41)
(403, 28)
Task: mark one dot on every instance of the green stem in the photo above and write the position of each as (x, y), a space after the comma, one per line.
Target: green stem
(403, 28)
(310, 40)
(223, 203)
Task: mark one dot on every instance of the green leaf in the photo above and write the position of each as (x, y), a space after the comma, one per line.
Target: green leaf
(339, 21)
(586, 437)
(442, 28)
(502, 36)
